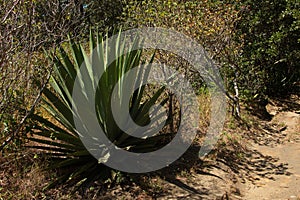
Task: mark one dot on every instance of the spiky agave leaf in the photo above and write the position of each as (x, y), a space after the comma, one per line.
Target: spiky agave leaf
(61, 140)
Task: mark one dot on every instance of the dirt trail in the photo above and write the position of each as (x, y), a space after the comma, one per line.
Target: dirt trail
(284, 181)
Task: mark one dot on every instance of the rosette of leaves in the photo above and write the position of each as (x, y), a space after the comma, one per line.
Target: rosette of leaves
(58, 136)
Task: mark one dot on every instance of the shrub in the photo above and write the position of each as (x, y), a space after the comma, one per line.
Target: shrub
(60, 138)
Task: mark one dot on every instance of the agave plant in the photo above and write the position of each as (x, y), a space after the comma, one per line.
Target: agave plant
(59, 137)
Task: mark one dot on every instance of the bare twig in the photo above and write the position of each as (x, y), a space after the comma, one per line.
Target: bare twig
(12, 8)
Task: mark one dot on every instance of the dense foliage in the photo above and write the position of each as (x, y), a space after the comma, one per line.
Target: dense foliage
(211, 23)
(255, 43)
(271, 52)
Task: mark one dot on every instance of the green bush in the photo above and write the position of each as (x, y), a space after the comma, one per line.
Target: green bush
(271, 56)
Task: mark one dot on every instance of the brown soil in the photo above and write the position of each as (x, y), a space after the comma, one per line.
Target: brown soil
(280, 180)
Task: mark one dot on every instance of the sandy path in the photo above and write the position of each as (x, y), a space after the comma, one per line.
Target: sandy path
(285, 185)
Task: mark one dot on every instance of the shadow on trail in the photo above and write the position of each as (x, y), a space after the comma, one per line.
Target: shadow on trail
(291, 104)
(253, 166)
(190, 189)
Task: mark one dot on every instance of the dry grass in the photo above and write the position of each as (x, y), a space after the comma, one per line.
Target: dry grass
(21, 176)
(204, 102)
